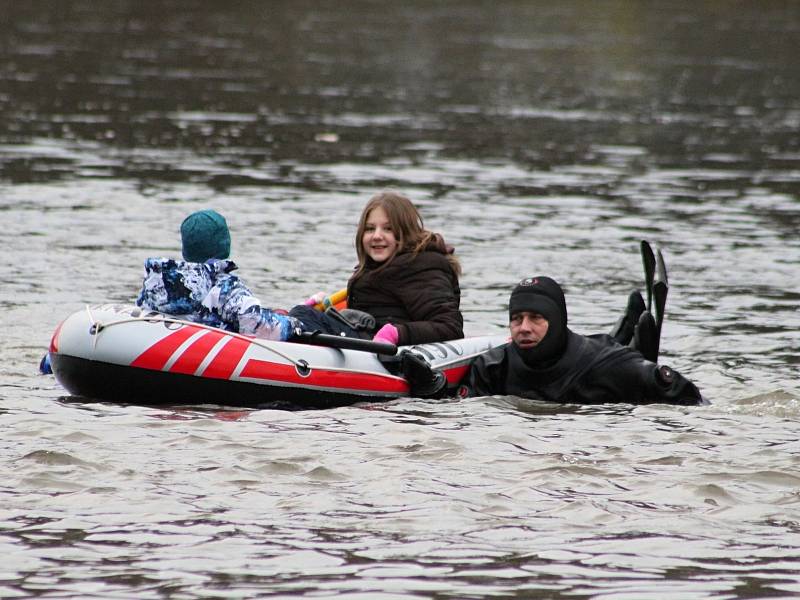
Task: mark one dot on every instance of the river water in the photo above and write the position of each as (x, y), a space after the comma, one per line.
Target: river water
(540, 138)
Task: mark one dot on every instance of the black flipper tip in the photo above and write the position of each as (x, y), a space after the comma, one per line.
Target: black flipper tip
(645, 337)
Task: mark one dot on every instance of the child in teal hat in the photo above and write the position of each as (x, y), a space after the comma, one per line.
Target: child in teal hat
(201, 288)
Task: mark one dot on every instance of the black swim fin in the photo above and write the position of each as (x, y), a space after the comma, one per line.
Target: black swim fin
(622, 332)
(660, 290)
(645, 337)
(649, 264)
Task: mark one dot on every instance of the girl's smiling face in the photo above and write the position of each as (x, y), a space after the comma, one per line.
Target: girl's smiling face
(379, 239)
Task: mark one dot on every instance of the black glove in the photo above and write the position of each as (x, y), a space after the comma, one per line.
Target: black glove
(424, 381)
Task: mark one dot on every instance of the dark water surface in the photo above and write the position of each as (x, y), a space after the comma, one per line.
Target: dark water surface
(539, 138)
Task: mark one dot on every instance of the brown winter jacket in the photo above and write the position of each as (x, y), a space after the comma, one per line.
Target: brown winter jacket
(417, 294)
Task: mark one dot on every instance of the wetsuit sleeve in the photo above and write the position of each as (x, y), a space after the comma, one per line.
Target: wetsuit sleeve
(432, 304)
(643, 382)
(485, 377)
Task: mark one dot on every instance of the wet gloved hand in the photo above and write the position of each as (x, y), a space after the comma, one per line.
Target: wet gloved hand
(387, 334)
(424, 381)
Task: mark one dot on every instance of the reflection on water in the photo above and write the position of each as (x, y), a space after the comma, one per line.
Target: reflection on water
(252, 84)
(538, 137)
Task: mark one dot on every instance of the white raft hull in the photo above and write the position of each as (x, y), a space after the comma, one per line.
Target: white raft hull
(118, 353)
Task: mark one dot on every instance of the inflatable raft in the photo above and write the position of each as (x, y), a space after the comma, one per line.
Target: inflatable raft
(120, 353)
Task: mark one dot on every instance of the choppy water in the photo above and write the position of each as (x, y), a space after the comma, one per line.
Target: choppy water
(539, 138)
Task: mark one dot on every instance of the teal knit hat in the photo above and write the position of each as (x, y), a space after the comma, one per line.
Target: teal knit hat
(204, 235)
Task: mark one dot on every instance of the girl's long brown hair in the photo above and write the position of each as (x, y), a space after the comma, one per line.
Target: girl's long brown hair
(407, 226)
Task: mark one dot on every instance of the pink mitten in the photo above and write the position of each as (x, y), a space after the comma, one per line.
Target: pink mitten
(315, 299)
(388, 334)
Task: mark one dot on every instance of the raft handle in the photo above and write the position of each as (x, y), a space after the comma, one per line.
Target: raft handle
(302, 368)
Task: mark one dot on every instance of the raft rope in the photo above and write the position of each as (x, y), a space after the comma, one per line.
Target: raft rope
(301, 365)
(94, 329)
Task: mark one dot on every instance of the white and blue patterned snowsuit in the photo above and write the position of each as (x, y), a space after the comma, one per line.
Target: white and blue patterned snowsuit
(207, 293)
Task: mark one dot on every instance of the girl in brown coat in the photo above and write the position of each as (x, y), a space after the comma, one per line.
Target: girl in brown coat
(407, 278)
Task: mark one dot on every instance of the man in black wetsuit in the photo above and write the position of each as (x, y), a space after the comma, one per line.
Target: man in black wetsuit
(545, 360)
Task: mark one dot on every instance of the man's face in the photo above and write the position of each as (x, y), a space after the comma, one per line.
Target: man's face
(528, 329)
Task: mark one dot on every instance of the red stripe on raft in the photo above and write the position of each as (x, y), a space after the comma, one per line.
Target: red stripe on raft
(54, 339)
(456, 374)
(260, 369)
(190, 359)
(227, 359)
(157, 355)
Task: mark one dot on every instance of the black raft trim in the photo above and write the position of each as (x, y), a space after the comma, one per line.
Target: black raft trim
(106, 382)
